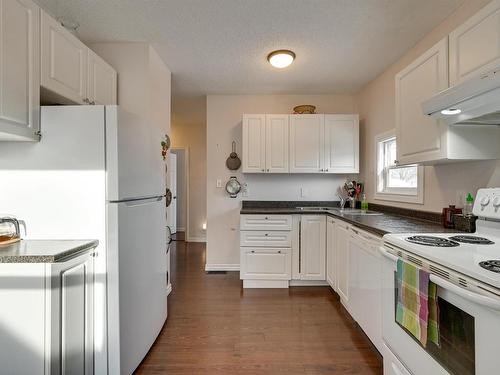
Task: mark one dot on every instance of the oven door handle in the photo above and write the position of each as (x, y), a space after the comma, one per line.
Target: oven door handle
(466, 294)
(388, 255)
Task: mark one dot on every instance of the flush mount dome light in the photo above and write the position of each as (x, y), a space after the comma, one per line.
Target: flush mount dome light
(281, 58)
(451, 111)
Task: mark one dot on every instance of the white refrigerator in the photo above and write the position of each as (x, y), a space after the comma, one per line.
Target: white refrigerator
(98, 173)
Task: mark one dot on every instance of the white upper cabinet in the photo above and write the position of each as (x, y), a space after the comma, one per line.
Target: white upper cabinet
(254, 143)
(277, 140)
(313, 247)
(19, 70)
(475, 45)
(307, 143)
(64, 61)
(421, 138)
(341, 144)
(101, 81)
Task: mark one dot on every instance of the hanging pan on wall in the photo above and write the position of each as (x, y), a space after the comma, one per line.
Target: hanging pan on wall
(233, 187)
(233, 162)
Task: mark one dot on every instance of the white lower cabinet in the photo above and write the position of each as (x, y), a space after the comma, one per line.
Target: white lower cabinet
(46, 317)
(312, 247)
(365, 283)
(266, 263)
(342, 256)
(331, 272)
(266, 250)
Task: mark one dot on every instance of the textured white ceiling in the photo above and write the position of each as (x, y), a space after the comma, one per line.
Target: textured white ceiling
(220, 46)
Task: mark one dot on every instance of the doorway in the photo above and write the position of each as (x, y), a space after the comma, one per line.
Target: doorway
(178, 183)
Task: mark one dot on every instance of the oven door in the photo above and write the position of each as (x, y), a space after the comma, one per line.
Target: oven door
(469, 329)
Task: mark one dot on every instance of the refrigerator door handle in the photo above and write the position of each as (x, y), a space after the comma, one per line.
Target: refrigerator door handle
(141, 201)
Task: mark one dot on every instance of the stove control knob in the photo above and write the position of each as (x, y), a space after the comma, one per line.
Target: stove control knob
(484, 201)
(496, 202)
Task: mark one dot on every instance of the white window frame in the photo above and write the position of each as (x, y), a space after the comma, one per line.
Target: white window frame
(408, 195)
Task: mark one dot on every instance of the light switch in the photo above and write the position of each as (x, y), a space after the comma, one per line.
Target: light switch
(219, 183)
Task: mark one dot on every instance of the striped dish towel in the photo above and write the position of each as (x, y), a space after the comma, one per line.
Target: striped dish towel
(412, 309)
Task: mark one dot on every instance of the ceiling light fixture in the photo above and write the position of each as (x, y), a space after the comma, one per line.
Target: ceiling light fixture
(451, 111)
(281, 58)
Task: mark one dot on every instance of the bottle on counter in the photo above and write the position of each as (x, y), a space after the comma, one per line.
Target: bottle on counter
(469, 204)
(364, 203)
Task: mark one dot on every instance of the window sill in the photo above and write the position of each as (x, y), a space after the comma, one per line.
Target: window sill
(416, 199)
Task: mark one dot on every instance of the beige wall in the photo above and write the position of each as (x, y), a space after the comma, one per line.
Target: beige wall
(444, 184)
(224, 113)
(144, 81)
(189, 130)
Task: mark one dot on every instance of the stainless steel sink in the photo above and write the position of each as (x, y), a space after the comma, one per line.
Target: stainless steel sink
(316, 208)
(356, 212)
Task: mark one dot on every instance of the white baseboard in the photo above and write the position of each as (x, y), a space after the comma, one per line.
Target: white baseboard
(272, 284)
(308, 283)
(222, 267)
(196, 239)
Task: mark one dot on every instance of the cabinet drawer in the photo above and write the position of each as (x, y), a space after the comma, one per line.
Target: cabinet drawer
(265, 264)
(266, 238)
(266, 222)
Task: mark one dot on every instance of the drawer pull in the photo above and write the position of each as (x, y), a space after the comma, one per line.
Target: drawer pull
(266, 218)
(267, 234)
(253, 251)
(279, 251)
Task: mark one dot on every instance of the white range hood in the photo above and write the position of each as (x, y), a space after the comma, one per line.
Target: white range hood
(474, 102)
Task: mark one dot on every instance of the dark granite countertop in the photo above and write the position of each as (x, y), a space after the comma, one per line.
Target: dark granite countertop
(377, 224)
(44, 251)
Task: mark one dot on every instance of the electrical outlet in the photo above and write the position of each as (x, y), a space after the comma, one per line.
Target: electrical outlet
(244, 190)
(219, 183)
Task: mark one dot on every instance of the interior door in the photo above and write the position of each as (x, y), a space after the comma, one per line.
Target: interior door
(172, 184)
(137, 247)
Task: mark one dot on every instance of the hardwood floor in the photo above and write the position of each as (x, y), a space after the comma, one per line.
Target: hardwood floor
(216, 327)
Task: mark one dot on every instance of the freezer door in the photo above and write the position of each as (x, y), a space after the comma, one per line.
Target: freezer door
(135, 167)
(137, 280)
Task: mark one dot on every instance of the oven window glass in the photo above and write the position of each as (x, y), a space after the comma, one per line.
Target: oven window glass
(456, 352)
(457, 340)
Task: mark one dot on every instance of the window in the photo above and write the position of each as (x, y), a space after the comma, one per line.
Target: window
(396, 183)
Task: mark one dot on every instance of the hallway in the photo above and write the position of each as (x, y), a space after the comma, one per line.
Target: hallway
(215, 327)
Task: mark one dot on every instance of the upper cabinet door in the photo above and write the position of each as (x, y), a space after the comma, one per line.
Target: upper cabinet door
(420, 137)
(101, 81)
(341, 144)
(19, 70)
(475, 45)
(277, 139)
(254, 143)
(307, 143)
(64, 61)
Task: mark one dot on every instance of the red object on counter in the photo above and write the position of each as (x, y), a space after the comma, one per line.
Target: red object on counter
(449, 216)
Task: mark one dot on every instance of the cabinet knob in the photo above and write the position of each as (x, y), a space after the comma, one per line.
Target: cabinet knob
(326, 170)
(279, 251)
(263, 170)
(321, 170)
(253, 251)
(396, 162)
(268, 170)
(266, 234)
(266, 218)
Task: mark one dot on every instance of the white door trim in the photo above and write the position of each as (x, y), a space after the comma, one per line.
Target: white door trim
(186, 174)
